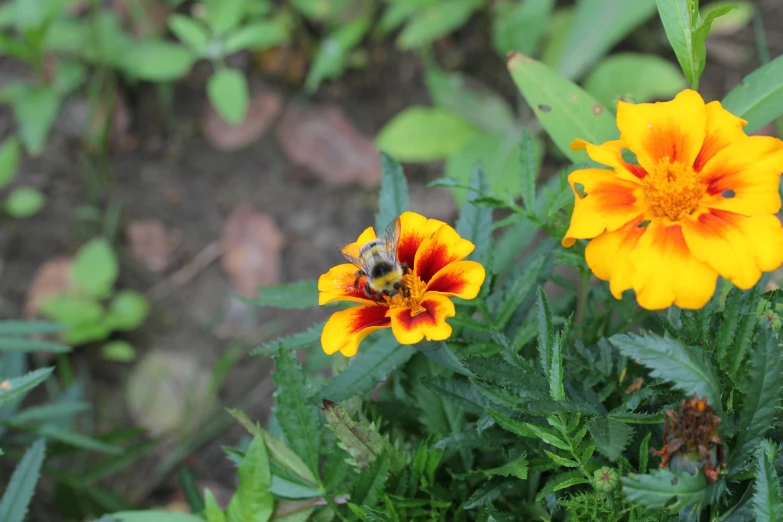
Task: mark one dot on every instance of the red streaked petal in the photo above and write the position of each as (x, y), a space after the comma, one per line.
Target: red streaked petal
(430, 324)
(444, 247)
(610, 153)
(723, 129)
(414, 229)
(347, 328)
(338, 285)
(459, 279)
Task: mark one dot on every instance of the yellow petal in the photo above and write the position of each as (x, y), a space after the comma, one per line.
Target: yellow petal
(608, 256)
(339, 284)
(443, 247)
(723, 129)
(365, 237)
(459, 279)
(430, 324)
(665, 272)
(610, 153)
(673, 129)
(347, 328)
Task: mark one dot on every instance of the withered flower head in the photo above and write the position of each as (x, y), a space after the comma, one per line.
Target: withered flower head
(693, 432)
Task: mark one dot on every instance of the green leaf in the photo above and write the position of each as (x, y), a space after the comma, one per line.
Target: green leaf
(440, 353)
(189, 31)
(518, 291)
(224, 15)
(761, 397)
(252, 501)
(29, 327)
(256, 36)
(330, 60)
(11, 344)
(362, 442)
(489, 491)
(393, 197)
(459, 391)
(665, 489)
(475, 439)
(672, 361)
(370, 483)
(151, 516)
(77, 440)
(561, 481)
(475, 222)
(767, 502)
(212, 510)
(519, 26)
(12, 389)
(642, 77)
(9, 160)
(128, 310)
(20, 489)
(678, 22)
(529, 171)
(629, 417)
(565, 111)
(700, 37)
(514, 468)
(73, 311)
(371, 366)
(758, 98)
(298, 340)
(158, 61)
(436, 20)
(118, 351)
(35, 110)
(597, 26)
(298, 419)
(556, 387)
(733, 21)
(424, 134)
(228, 93)
(644, 453)
(530, 431)
(95, 267)
(47, 412)
(546, 332)
(24, 202)
(610, 437)
(562, 461)
(289, 296)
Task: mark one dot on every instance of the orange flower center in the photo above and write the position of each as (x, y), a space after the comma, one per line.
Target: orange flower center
(416, 288)
(673, 190)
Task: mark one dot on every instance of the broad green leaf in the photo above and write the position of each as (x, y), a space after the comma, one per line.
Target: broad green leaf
(758, 98)
(670, 360)
(665, 489)
(152, 516)
(252, 501)
(28, 327)
(519, 26)
(298, 418)
(293, 489)
(12, 344)
(19, 492)
(69, 76)
(424, 134)
(297, 295)
(35, 110)
(330, 60)
(158, 61)
(212, 510)
(558, 31)
(24, 202)
(256, 36)
(118, 351)
(767, 502)
(189, 31)
(12, 389)
(228, 93)
(370, 483)
(371, 366)
(361, 440)
(224, 15)
(440, 353)
(393, 196)
(95, 267)
(641, 77)
(610, 437)
(73, 311)
(679, 22)
(127, 310)
(565, 111)
(9, 160)
(436, 20)
(597, 26)
(475, 222)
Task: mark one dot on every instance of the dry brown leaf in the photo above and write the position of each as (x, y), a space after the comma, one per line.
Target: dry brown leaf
(635, 385)
(322, 139)
(151, 244)
(251, 245)
(52, 279)
(264, 107)
(287, 63)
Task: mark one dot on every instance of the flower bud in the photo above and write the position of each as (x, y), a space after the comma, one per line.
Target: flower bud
(606, 479)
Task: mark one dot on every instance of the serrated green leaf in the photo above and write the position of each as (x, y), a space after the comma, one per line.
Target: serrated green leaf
(440, 353)
(522, 381)
(289, 296)
(298, 418)
(362, 442)
(670, 360)
(519, 289)
(561, 481)
(629, 417)
(610, 437)
(644, 453)
(528, 430)
(298, 340)
(369, 484)
(561, 461)
(566, 197)
(393, 196)
(459, 391)
(20, 489)
(475, 439)
(665, 489)
(11, 344)
(12, 389)
(252, 501)
(475, 222)
(529, 172)
(95, 267)
(489, 491)
(767, 502)
(212, 512)
(513, 468)
(556, 386)
(546, 332)
(758, 98)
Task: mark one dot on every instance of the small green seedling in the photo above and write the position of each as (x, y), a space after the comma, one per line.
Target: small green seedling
(21, 202)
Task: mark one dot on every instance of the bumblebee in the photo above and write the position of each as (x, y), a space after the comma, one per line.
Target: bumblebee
(377, 263)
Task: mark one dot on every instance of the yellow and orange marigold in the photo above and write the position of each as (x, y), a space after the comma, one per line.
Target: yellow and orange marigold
(701, 202)
(434, 254)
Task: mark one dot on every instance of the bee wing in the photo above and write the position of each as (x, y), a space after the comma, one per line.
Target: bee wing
(358, 262)
(392, 238)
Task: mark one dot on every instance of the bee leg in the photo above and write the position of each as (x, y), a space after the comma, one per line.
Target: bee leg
(405, 268)
(356, 282)
(368, 290)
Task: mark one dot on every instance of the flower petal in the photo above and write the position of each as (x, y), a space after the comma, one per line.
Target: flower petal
(414, 229)
(673, 129)
(723, 129)
(443, 247)
(744, 177)
(431, 323)
(666, 272)
(339, 284)
(610, 153)
(608, 256)
(364, 238)
(347, 328)
(740, 248)
(459, 279)
(610, 203)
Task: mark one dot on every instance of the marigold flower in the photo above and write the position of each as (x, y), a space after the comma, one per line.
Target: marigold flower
(434, 254)
(700, 203)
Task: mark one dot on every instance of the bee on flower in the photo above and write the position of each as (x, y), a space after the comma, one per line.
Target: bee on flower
(403, 279)
(700, 203)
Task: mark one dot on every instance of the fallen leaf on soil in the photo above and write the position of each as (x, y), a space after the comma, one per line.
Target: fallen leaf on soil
(51, 279)
(263, 109)
(169, 392)
(283, 62)
(251, 245)
(325, 141)
(152, 245)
